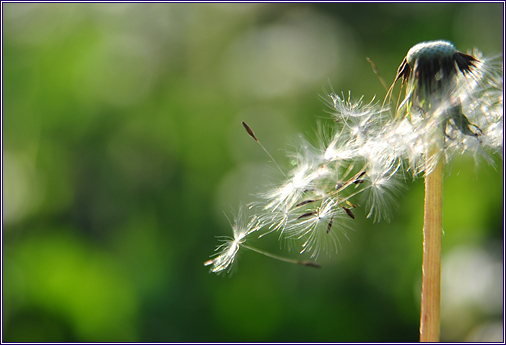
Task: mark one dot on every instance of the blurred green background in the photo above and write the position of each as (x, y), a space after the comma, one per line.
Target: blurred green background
(123, 146)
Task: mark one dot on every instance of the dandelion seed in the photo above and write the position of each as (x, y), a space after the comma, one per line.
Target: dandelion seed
(359, 176)
(314, 228)
(249, 130)
(329, 225)
(349, 212)
(382, 193)
(307, 214)
(307, 175)
(251, 134)
(228, 250)
(305, 202)
(348, 111)
(341, 148)
(275, 220)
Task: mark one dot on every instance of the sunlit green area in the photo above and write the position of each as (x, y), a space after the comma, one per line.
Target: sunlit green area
(123, 148)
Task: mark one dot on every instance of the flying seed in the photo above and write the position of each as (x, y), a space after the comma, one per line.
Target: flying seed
(310, 264)
(329, 225)
(249, 130)
(349, 212)
(305, 202)
(358, 179)
(308, 214)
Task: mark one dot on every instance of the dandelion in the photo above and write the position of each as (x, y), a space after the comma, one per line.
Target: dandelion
(451, 92)
(449, 103)
(452, 103)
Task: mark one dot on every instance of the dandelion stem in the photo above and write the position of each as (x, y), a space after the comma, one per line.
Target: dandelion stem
(431, 265)
(292, 261)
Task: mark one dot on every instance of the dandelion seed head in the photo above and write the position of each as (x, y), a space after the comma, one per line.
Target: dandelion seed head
(453, 104)
(430, 51)
(466, 106)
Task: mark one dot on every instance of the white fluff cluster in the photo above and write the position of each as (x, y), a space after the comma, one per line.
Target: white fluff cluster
(371, 147)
